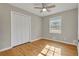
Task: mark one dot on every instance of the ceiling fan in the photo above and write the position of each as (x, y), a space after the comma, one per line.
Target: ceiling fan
(45, 7)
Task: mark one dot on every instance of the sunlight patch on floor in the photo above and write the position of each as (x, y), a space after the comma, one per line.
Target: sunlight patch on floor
(50, 51)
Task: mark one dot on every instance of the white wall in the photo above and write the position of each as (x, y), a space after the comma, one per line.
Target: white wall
(69, 27)
(78, 29)
(36, 28)
(5, 24)
(78, 21)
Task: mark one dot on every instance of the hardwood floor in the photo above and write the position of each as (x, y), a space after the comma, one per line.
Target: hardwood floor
(42, 47)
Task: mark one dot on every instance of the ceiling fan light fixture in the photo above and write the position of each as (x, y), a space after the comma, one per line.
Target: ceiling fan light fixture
(44, 9)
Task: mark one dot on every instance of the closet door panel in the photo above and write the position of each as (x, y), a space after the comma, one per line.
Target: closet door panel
(20, 28)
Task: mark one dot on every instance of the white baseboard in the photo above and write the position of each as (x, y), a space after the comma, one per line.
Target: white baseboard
(35, 39)
(60, 41)
(5, 49)
(53, 40)
(11, 47)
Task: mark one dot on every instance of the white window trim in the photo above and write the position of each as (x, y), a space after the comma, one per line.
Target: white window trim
(55, 31)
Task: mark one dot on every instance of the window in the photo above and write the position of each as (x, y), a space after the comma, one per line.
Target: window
(55, 25)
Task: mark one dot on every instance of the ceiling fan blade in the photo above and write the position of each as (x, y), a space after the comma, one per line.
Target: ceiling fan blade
(41, 11)
(52, 6)
(38, 7)
(48, 10)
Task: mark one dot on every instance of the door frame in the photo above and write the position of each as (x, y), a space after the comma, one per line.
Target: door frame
(29, 27)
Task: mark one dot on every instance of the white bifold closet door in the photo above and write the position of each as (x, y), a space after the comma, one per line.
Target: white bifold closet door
(20, 28)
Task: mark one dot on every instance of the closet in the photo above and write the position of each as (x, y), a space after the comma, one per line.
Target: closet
(20, 28)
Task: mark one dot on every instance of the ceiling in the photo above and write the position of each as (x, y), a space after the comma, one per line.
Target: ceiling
(60, 7)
